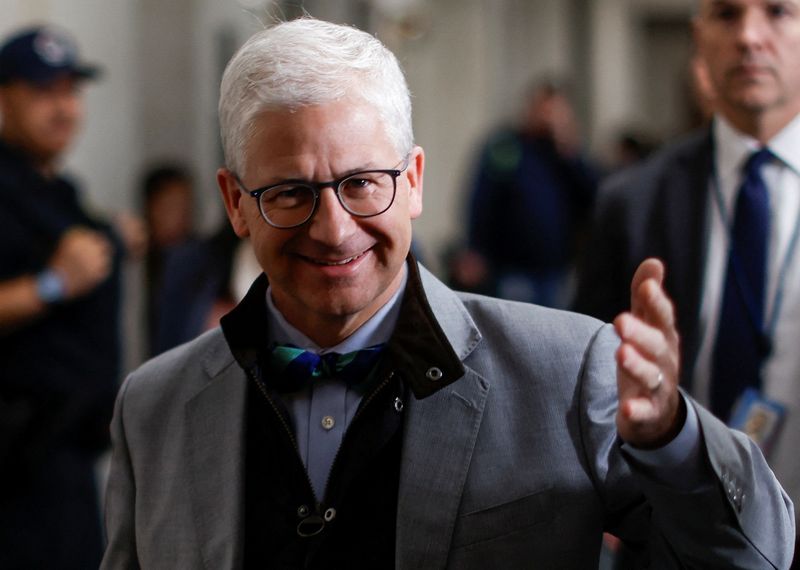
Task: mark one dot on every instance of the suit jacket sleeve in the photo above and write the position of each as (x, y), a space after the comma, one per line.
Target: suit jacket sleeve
(738, 517)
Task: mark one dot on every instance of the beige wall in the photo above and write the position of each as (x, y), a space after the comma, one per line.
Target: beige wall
(625, 75)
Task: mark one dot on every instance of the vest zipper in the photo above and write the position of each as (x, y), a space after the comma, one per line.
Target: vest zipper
(359, 412)
(254, 377)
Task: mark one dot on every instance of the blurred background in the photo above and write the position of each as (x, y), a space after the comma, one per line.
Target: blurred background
(468, 62)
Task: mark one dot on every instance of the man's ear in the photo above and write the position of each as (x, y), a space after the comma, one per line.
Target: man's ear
(232, 197)
(414, 174)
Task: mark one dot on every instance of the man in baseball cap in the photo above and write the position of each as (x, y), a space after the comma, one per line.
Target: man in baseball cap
(59, 314)
(41, 103)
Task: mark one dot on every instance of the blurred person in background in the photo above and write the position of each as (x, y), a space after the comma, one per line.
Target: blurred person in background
(168, 205)
(630, 147)
(722, 209)
(202, 280)
(59, 314)
(191, 280)
(532, 195)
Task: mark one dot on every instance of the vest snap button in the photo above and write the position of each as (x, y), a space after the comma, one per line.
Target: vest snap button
(310, 526)
(434, 374)
(330, 514)
(302, 511)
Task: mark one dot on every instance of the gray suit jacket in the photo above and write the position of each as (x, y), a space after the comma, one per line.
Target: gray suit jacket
(515, 465)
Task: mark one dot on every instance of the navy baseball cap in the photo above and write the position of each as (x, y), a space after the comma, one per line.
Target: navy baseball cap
(40, 55)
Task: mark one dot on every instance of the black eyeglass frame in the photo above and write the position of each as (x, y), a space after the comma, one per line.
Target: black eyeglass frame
(318, 187)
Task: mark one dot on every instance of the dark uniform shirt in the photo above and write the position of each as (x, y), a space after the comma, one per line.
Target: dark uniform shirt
(58, 379)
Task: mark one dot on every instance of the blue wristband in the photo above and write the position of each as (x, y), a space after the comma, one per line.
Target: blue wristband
(50, 286)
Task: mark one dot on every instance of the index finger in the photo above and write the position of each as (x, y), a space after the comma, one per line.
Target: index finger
(649, 302)
(650, 268)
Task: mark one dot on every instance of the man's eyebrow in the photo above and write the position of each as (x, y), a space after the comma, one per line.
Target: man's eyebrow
(344, 174)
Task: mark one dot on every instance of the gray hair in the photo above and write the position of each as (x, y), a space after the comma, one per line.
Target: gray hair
(309, 62)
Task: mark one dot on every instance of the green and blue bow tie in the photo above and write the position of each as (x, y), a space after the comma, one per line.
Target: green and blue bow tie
(291, 368)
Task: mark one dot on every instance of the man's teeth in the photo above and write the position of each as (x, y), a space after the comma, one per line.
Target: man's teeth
(341, 262)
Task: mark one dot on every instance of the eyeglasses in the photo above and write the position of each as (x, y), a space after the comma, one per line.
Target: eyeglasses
(292, 203)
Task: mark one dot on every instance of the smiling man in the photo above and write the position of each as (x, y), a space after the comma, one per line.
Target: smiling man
(354, 412)
(722, 209)
(333, 275)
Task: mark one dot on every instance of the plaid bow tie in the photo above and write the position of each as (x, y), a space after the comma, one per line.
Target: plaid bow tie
(291, 368)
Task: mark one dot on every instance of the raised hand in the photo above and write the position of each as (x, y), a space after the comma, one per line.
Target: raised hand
(650, 412)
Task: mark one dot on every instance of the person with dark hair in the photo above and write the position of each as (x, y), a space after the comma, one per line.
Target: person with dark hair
(531, 200)
(167, 197)
(59, 314)
(168, 205)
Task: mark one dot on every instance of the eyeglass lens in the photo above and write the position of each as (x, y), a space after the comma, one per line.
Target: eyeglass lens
(363, 194)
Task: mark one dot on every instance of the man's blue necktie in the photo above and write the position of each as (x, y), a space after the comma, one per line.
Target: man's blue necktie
(291, 368)
(741, 344)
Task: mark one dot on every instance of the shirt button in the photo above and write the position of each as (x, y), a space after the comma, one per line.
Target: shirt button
(328, 422)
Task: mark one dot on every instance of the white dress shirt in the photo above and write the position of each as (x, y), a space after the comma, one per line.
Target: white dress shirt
(781, 372)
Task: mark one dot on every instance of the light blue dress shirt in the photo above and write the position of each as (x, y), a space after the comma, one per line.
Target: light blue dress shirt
(321, 413)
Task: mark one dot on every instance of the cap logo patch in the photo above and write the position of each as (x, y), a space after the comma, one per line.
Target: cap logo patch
(52, 49)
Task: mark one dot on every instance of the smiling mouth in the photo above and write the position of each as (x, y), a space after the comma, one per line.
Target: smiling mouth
(337, 262)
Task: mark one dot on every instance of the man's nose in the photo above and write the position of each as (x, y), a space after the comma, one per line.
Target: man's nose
(753, 28)
(67, 105)
(331, 224)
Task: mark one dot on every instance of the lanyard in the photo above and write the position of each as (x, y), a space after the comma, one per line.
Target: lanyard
(766, 332)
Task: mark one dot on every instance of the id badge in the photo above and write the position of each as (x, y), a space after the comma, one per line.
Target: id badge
(758, 417)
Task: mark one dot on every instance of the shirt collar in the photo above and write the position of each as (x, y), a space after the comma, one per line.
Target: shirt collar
(376, 330)
(733, 147)
(786, 145)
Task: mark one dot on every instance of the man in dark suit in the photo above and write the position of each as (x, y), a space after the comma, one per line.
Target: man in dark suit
(722, 209)
(354, 412)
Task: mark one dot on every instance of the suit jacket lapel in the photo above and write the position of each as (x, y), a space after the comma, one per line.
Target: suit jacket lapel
(440, 435)
(215, 463)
